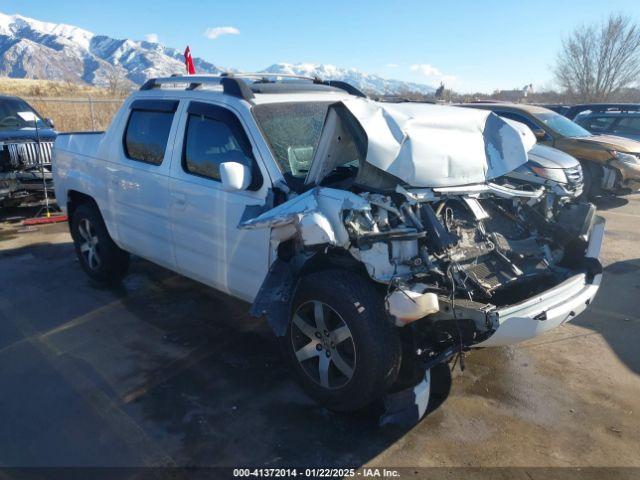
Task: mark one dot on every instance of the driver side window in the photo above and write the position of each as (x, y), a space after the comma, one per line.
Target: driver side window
(213, 136)
(208, 143)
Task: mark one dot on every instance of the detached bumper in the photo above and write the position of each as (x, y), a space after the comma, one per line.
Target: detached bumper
(632, 184)
(630, 174)
(553, 307)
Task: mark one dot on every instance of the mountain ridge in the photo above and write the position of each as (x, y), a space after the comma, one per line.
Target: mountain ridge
(31, 48)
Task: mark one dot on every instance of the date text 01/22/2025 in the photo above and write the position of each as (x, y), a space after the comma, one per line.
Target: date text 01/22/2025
(316, 473)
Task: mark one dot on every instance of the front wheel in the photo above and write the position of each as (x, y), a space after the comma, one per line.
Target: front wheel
(99, 256)
(591, 178)
(341, 345)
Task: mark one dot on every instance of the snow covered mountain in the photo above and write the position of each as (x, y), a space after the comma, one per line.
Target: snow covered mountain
(33, 49)
(364, 81)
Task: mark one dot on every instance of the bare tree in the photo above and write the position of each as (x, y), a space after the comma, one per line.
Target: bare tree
(598, 61)
(117, 83)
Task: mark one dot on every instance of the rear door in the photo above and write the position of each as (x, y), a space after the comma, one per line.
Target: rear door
(139, 185)
(209, 247)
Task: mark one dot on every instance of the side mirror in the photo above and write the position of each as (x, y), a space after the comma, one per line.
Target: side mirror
(539, 133)
(234, 176)
(49, 122)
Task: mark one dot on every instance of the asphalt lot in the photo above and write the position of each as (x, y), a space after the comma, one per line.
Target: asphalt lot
(163, 371)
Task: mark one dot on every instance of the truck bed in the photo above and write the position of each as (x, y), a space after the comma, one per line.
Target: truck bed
(79, 143)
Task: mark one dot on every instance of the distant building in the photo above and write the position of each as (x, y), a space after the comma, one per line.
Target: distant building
(516, 95)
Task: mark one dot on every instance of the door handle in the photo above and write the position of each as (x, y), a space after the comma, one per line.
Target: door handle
(179, 200)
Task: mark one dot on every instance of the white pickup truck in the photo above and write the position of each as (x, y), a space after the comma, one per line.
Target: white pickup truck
(371, 236)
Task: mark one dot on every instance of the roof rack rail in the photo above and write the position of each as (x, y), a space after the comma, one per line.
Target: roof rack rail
(232, 83)
(347, 87)
(269, 74)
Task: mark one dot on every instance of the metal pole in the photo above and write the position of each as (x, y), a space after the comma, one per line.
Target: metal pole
(39, 159)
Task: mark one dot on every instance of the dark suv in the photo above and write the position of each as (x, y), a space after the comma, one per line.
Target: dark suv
(623, 121)
(25, 152)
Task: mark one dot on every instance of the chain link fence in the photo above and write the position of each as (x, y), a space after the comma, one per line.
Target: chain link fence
(77, 114)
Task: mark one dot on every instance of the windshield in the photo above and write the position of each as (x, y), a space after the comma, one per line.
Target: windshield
(292, 131)
(10, 118)
(561, 124)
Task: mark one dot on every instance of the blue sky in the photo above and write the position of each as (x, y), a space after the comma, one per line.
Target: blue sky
(473, 45)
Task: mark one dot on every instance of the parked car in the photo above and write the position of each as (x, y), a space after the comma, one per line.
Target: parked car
(623, 122)
(25, 152)
(559, 173)
(609, 163)
(573, 111)
(371, 236)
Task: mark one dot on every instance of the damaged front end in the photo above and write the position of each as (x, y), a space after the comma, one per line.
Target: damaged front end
(462, 263)
(461, 260)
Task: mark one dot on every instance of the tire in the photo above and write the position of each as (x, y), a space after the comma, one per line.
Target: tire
(590, 177)
(99, 256)
(369, 349)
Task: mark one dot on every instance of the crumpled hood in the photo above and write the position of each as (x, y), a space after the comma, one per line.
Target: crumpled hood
(426, 145)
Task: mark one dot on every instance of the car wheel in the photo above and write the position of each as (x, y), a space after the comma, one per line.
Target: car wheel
(99, 256)
(591, 177)
(342, 347)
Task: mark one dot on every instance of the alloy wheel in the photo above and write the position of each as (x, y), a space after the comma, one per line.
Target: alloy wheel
(323, 344)
(89, 245)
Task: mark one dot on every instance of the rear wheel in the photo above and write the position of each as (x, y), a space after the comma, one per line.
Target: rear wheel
(342, 347)
(99, 256)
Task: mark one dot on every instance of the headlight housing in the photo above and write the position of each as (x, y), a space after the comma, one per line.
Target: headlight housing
(628, 158)
(554, 174)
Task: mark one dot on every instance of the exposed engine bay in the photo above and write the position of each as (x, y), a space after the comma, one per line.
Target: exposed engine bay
(493, 251)
(394, 190)
(411, 196)
(440, 252)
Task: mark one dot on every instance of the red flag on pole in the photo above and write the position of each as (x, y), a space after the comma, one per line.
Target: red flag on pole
(188, 61)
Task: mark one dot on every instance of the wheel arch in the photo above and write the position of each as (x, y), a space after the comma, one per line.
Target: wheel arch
(75, 198)
(281, 282)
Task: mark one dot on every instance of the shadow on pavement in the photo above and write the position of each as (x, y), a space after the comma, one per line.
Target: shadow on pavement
(608, 203)
(23, 212)
(615, 314)
(198, 377)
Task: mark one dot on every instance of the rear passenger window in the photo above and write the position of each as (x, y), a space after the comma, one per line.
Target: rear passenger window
(209, 143)
(599, 124)
(148, 129)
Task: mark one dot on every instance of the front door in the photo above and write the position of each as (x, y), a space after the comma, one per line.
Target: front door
(208, 245)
